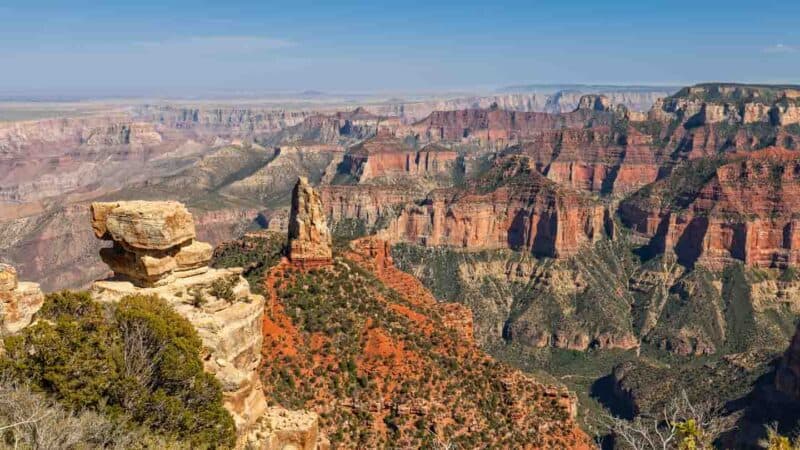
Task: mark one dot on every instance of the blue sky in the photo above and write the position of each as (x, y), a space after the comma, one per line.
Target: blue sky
(172, 47)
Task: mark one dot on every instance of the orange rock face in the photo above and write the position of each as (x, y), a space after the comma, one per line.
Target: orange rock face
(745, 211)
(528, 213)
(396, 339)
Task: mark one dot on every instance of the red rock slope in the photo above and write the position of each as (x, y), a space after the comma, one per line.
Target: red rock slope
(370, 350)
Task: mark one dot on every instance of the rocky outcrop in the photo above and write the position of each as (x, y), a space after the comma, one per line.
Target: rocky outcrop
(744, 210)
(282, 429)
(154, 247)
(153, 241)
(594, 103)
(19, 301)
(736, 104)
(524, 211)
(137, 133)
(339, 128)
(309, 236)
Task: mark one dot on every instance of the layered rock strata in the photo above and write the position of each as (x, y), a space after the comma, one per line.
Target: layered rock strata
(19, 301)
(499, 126)
(155, 251)
(745, 211)
(596, 159)
(153, 241)
(525, 212)
(371, 204)
(309, 236)
(386, 156)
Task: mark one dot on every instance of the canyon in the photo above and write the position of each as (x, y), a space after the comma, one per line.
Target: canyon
(573, 234)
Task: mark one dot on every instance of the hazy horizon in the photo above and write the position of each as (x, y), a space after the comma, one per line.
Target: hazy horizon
(177, 48)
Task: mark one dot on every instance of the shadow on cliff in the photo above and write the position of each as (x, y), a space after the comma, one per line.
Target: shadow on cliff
(543, 242)
(604, 391)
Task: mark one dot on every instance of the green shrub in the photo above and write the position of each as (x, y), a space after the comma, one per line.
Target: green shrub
(198, 298)
(71, 353)
(138, 359)
(223, 288)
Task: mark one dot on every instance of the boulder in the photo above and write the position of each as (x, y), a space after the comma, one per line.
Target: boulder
(153, 241)
(197, 254)
(143, 225)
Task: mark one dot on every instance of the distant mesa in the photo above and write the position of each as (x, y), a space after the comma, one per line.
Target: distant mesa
(594, 103)
(312, 93)
(744, 210)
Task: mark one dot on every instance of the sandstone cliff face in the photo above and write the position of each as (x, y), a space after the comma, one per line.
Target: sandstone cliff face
(561, 306)
(597, 160)
(560, 101)
(230, 120)
(386, 156)
(527, 213)
(498, 126)
(154, 247)
(309, 236)
(371, 204)
(19, 301)
(743, 211)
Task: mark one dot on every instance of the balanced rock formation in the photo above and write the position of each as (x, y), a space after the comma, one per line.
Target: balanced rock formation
(154, 253)
(19, 301)
(153, 241)
(309, 236)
